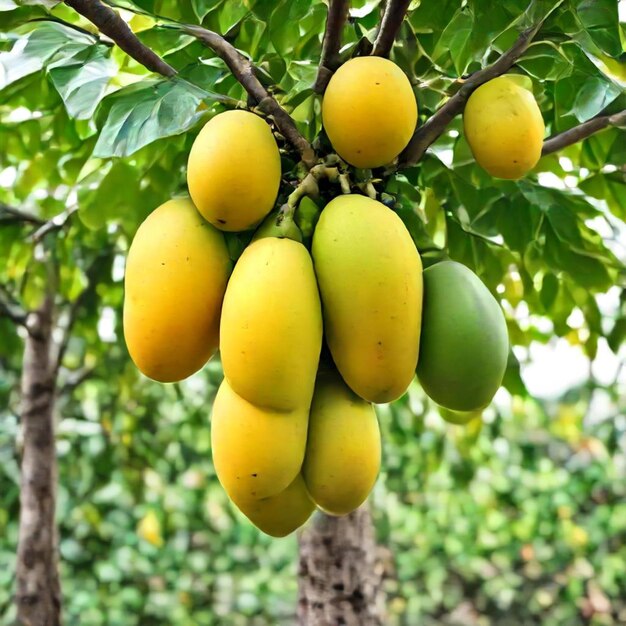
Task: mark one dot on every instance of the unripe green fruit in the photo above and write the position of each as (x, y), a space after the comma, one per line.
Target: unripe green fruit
(464, 345)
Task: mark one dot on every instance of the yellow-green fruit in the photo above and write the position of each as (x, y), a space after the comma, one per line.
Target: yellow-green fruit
(369, 111)
(370, 279)
(256, 452)
(233, 171)
(460, 418)
(504, 128)
(271, 329)
(281, 514)
(342, 457)
(465, 343)
(176, 275)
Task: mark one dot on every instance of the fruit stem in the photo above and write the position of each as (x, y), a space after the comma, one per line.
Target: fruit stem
(344, 181)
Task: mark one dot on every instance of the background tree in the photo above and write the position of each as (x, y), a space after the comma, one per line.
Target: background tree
(98, 109)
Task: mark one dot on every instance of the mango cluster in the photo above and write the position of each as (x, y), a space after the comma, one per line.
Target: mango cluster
(309, 340)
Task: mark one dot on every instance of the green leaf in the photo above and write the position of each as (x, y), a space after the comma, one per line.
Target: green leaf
(231, 13)
(147, 111)
(35, 49)
(82, 79)
(108, 194)
(596, 94)
(549, 290)
(284, 27)
(546, 61)
(455, 40)
(202, 7)
(608, 187)
(600, 20)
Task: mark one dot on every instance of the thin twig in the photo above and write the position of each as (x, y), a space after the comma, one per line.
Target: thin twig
(75, 380)
(12, 312)
(393, 17)
(114, 27)
(243, 71)
(56, 223)
(582, 131)
(425, 135)
(329, 61)
(9, 214)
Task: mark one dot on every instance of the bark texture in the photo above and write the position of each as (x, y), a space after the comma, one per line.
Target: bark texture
(340, 574)
(38, 589)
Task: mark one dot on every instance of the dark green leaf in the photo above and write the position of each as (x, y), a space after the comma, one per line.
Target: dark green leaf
(596, 94)
(81, 80)
(600, 20)
(147, 111)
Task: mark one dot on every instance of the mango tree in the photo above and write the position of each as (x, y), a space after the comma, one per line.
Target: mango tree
(102, 102)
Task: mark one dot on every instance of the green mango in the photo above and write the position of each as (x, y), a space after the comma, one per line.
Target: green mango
(464, 345)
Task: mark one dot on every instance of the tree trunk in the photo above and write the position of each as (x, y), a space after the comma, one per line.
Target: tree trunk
(38, 588)
(340, 573)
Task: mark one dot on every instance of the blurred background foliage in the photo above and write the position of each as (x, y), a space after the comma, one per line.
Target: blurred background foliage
(522, 521)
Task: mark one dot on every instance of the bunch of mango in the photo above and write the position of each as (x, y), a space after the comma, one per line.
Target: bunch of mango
(311, 339)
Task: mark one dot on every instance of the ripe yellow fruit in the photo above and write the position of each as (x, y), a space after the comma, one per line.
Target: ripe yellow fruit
(256, 452)
(342, 457)
(271, 329)
(281, 514)
(369, 111)
(370, 279)
(233, 171)
(504, 128)
(149, 529)
(176, 274)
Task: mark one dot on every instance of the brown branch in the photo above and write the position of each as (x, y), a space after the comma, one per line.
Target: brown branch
(582, 131)
(38, 593)
(243, 71)
(56, 223)
(13, 313)
(329, 61)
(425, 135)
(75, 380)
(114, 27)
(9, 214)
(389, 26)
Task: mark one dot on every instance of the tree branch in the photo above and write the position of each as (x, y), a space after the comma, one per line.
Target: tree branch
(114, 27)
(243, 71)
(8, 215)
(56, 223)
(389, 26)
(13, 313)
(329, 61)
(582, 131)
(425, 135)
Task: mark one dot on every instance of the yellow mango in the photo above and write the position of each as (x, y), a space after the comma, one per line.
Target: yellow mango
(504, 128)
(233, 172)
(342, 457)
(369, 111)
(281, 514)
(271, 329)
(176, 274)
(370, 279)
(256, 452)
